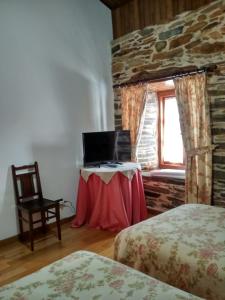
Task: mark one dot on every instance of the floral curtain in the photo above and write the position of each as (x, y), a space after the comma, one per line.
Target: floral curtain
(133, 103)
(194, 113)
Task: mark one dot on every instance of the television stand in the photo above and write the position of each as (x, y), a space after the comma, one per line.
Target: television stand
(101, 190)
(105, 164)
(111, 164)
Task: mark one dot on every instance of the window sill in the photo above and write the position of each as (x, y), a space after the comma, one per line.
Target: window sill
(175, 176)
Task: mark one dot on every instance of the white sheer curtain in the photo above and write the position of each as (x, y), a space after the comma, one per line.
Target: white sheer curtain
(147, 148)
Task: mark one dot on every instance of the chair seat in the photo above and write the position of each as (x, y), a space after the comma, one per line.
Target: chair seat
(38, 204)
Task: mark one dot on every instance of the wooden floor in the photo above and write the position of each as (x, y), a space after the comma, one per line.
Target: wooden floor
(16, 259)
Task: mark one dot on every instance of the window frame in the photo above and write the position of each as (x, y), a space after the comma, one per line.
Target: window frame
(161, 121)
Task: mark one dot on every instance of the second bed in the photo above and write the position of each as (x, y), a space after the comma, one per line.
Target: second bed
(184, 247)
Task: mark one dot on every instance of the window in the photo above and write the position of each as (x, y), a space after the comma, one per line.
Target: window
(171, 151)
(160, 142)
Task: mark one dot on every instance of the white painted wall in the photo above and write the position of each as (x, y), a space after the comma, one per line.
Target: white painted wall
(55, 83)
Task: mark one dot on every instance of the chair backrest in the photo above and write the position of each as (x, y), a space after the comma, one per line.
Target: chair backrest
(26, 182)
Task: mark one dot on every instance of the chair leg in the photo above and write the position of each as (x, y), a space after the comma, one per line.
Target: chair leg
(21, 237)
(43, 220)
(31, 232)
(57, 214)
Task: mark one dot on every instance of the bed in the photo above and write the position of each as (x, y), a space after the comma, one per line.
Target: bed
(85, 275)
(184, 247)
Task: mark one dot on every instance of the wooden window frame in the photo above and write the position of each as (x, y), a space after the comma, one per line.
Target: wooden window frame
(161, 121)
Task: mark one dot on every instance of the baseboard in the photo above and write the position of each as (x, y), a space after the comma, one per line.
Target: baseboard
(48, 226)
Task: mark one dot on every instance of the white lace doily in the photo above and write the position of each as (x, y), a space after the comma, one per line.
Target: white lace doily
(106, 173)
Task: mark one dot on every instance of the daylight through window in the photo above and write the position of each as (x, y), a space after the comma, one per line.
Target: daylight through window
(160, 144)
(170, 139)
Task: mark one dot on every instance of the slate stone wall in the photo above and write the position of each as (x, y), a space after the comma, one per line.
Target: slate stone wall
(193, 39)
(162, 194)
(216, 92)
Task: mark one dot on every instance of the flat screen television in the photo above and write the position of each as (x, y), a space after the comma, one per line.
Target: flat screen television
(106, 147)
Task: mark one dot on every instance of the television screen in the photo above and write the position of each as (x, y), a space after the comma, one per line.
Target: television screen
(106, 146)
(98, 147)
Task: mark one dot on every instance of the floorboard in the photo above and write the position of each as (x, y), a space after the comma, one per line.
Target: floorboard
(16, 259)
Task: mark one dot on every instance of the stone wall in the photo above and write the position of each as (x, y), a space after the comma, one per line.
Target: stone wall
(216, 92)
(163, 194)
(193, 39)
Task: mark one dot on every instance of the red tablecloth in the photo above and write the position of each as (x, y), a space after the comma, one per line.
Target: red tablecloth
(112, 206)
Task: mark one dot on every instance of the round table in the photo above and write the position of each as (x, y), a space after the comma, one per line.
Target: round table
(110, 198)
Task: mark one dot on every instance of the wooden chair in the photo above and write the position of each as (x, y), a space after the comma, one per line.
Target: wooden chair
(29, 200)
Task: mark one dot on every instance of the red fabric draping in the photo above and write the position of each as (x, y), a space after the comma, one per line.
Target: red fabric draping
(112, 206)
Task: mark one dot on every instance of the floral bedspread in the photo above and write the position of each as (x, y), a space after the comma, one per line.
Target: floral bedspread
(184, 247)
(85, 275)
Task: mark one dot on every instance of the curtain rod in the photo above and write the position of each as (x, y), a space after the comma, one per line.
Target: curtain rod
(171, 76)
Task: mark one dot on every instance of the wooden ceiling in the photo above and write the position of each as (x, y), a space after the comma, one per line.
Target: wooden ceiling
(113, 4)
(130, 15)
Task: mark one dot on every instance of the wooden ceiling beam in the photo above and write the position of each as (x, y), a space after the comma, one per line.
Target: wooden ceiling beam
(114, 4)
